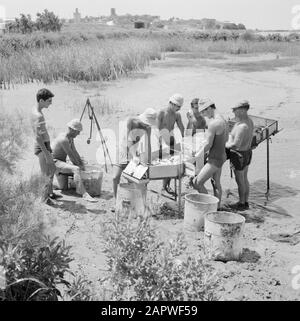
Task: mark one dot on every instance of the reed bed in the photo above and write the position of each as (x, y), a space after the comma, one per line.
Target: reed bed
(109, 54)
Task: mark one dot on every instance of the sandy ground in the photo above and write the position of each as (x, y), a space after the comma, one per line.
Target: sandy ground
(265, 272)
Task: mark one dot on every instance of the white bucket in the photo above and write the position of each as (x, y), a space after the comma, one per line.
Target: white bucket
(223, 236)
(132, 197)
(196, 205)
(92, 179)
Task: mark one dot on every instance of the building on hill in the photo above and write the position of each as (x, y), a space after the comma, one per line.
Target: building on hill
(77, 16)
(113, 12)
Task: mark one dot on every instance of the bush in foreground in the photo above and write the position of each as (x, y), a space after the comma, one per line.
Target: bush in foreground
(141, 267)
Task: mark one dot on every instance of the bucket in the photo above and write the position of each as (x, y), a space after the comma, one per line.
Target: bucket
(132, 197)
(196, 205)
(92, 179)
(223, 236)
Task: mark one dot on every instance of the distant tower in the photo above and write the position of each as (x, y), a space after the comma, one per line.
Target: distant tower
(113, 12)
(77, 16)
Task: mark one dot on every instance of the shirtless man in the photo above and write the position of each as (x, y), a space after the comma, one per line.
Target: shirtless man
(195, 120)
(217, 135)
(42, 147)
(240, 154)
(167, 117)
(63, 146)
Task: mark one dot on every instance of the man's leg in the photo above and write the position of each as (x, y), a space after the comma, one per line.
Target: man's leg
(247, 185)
(217, 185)
(206, 172)
(65, 168)
(240, 180)
(116, 178)
(48, 176)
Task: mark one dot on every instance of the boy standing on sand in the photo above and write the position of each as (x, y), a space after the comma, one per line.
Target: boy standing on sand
(42, 147)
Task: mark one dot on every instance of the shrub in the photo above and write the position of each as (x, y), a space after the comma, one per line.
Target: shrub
(144, 268)
(32, 272)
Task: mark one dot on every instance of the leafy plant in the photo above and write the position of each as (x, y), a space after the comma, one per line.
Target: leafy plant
(30, 270)
(142, 267)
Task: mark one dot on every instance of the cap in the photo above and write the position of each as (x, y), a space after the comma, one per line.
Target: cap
(177, 99)
(242, 104)
(75, 124)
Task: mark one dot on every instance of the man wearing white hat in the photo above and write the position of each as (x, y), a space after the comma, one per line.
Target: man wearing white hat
(167, 118)
(217, 135)
(240, 152)
(63, 146)
(136, 128)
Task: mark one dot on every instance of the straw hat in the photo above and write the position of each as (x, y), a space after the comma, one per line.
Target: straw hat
(75, 124)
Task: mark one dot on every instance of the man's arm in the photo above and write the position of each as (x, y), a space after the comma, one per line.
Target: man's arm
(180, 124)
(39, 131)
(69, 151)
(235, 141)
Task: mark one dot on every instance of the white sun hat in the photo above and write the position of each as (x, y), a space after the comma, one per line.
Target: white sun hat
(149, 117)
(177, 99)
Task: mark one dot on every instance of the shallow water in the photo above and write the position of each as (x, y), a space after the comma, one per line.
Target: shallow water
(272, 94)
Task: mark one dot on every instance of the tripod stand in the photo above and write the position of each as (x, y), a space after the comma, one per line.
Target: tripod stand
(92, 117)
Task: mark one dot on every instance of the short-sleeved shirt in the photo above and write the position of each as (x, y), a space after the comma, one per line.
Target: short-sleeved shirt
(38, 123)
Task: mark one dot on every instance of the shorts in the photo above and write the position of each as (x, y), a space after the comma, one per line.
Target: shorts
(239, 160)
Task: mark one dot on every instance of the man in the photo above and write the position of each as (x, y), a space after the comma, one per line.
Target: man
(240, 153)
(63, 146)
(42, 147)
(167, 118)
(135, 129)
(195, 120)
(217, 135)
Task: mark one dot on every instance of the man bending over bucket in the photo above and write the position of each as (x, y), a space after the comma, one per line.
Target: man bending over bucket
(63, 146)
(217, 135)
(136, 127)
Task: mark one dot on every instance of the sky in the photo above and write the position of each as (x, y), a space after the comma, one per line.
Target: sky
(261, 14)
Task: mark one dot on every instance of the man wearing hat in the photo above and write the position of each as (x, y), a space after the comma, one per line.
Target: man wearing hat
(216, 135)
(136, 128)
(240, 152)
(62, 147)
(167, 118)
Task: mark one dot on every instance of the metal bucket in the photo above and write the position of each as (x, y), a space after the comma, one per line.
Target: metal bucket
(131, 197)
(195, 207)
(92, 179)
(223, 236)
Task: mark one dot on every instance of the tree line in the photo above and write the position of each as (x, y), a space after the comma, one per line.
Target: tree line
(45, 21)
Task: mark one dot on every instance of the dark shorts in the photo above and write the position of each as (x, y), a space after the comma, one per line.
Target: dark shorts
(239, 160)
